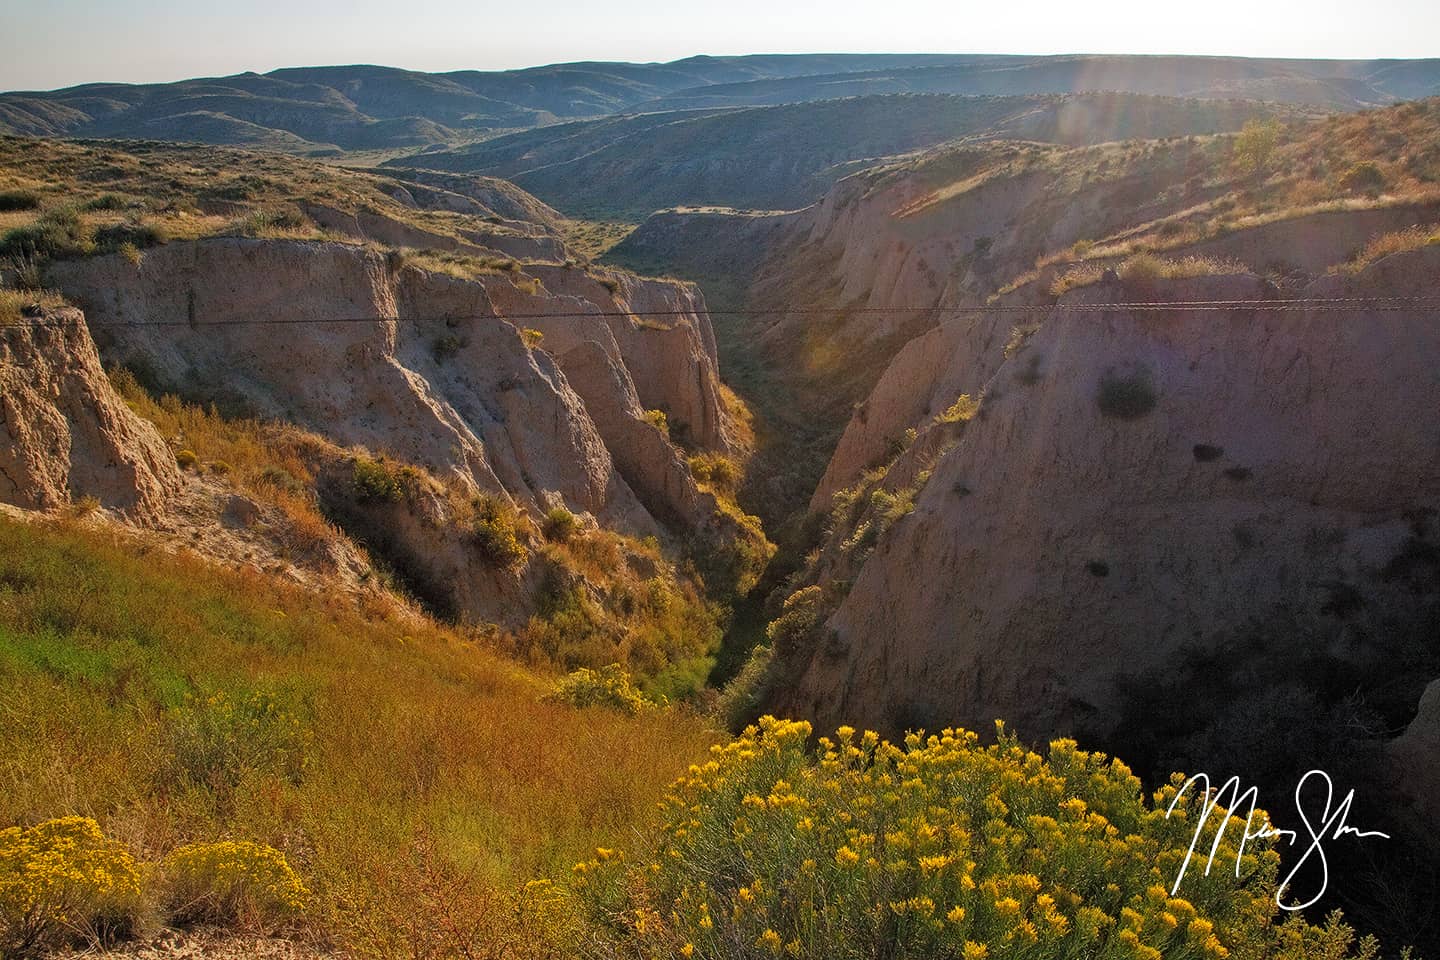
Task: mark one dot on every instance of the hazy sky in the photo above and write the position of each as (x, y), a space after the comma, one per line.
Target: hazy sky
(53, 43)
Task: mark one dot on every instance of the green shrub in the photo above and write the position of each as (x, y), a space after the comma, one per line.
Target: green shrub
(1364, 177)
(935, 848)
(743, 699)
(495, 531)
(560, 525)
(1255, 145)
(57, 233)
(1126, 397)
(800, 614)
(268, 223)
(62, 882)
(610, 686)
(376, 482)
(446, 347)
(187, 460)
(216, 741)
(532, 337)
(107, 201)
(11, 200)
(141, 235)
(230, 883)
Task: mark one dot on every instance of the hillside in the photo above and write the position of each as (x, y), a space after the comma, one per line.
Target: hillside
(327, 109)
(415, 776)
(1001, 491)
(527, 475)
(786, 157)
(839, 287)
(394, 565)
(1331, 84)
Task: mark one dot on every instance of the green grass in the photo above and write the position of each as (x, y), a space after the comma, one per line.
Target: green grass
(428, 762)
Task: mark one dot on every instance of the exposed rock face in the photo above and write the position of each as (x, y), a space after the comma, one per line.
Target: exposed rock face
(927, 376)
(64, 434)
(1137, 484)
(467, 399)
(659, 330)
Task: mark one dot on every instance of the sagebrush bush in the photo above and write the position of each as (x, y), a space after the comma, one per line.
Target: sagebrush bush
(1127, 396)
(277, 222)
(801, 613)
(232, 882)
(560, 525)
(137, 234)
(11, 200)
(1364, 176)
(61, 882)
(937, 848)
(610, 686)
(56, 233)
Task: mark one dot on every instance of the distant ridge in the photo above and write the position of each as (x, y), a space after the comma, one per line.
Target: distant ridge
(341, 108)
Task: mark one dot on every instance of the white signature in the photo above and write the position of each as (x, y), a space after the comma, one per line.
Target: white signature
(1331, 826)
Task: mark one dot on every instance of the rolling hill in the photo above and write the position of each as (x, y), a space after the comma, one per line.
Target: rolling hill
(787, 156)
(375, 107)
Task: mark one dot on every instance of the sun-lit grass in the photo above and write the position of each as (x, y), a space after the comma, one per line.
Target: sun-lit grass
(266, 460)
(190, 192)
(1401, 241)
(592, 239)
(1372, 160)
(432, 781)
(14, 302)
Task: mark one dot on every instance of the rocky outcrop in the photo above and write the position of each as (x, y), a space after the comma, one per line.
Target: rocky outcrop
(64, 434)
(329, 337)
(659, 330)
(1137, 485)
(928, 375)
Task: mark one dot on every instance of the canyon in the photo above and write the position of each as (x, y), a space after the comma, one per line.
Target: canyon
(1105, 414)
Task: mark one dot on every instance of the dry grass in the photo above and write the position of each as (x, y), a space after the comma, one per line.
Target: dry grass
(197, 191)
(1401, 241)
(1147, 266)
(434, 782)
(1080, 275)
(592, 239)
(1194, 191)
(14, 303)
(263, 459)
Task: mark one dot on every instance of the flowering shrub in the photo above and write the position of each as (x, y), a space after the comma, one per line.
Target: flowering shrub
(937, 848)
(607, 687)
(63, 880)
(232, 881)
(495, 531)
